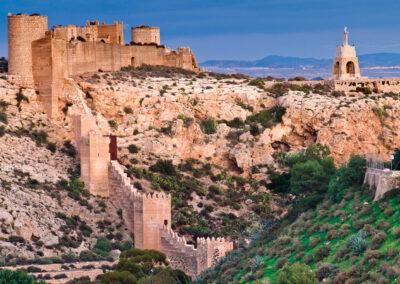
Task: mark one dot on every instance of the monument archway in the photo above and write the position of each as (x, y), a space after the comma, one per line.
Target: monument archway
(350, 68)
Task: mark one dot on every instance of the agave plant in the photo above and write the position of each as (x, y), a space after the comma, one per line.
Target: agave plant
(358, 243)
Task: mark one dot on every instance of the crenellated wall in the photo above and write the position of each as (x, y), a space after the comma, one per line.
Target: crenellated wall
(382, 180)
(148, 217)
(48, 57)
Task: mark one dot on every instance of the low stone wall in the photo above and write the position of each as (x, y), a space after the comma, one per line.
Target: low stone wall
(384, 85)
(383, 180)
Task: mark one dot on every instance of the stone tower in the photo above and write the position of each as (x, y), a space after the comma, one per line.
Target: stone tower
(22, 31)
(146, 35)
(345, 65)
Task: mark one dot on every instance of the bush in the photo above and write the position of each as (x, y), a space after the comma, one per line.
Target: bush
(40, 137)
(3, 117)
(51, 147)
(69, 149)
(2, 131)
(209, 126)
(351, 174)
(133, 149)
(236, 123)
(16, 277)
(296, 273)
(268, 117)
(258, 82)
(113, 124)
(358, 243)
(165, 167)
(102, 247)
(128, 110)
(118, 277)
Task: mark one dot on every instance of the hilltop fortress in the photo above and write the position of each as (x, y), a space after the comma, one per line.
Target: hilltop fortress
(46, 57)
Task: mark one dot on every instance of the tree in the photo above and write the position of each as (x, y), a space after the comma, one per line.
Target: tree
(297, 273)
(118, 277)
(309, 177)
(17, 277)
(351, 174)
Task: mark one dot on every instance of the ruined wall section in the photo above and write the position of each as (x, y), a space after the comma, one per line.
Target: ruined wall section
(146, 35)
(382, 181)
(22, 31)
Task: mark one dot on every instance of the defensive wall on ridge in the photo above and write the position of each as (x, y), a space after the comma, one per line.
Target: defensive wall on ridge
(147, 216)
(47, 57)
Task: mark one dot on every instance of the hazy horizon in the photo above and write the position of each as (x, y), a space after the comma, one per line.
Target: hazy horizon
(235, 30)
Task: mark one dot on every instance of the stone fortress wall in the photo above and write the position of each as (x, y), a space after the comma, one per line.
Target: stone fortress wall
(147, 216)
(22, 31)
(145, 35)
(382, 180)
(47, 57)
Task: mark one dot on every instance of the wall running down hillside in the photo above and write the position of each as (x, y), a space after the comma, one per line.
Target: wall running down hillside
(147, 216)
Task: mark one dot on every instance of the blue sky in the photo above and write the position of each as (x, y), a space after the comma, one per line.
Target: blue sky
(235, 29)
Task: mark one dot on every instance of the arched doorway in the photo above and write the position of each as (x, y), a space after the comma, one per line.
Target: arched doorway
(350, 69)
(133, 61)
(336, 69)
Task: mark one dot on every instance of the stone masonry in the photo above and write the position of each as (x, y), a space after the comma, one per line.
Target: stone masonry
(47, 57)
(147, 216)
(382, 180)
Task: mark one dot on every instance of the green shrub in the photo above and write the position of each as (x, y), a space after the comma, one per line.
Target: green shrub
(118, 277)
(268, 117)
(133, 149)
(237, 122)
(296, 273)
(102, 247)
(16, 277)
(2, 131)
(258, 82)
(69, 149)
(128, 110)
(165, 167)
(3, 117)
(358, 243)
(209, 126)
(40, 137)
(20, 97)
(52, 147)
(66, 107)
(113, 124)
(351, 174)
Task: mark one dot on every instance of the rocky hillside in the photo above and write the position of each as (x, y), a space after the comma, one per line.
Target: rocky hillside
(352, 240)
(237, 123)
(44, 210)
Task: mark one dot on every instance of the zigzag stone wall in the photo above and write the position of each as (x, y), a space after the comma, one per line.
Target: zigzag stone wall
(383, 180)
(148, 216)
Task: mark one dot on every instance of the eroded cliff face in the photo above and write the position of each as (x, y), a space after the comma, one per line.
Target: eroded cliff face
(163, 117)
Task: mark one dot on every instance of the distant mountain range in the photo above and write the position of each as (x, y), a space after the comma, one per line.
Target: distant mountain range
(276, 61)
(374, 65)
